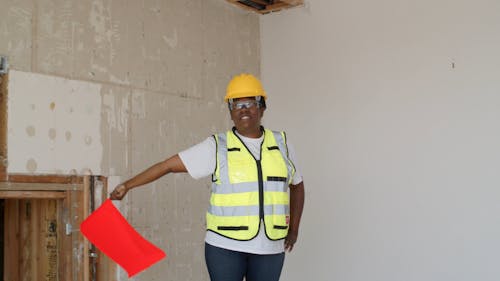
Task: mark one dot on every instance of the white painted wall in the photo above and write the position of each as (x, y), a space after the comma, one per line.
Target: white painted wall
(394, 110)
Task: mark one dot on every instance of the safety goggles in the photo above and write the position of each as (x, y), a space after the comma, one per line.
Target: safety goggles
(244, 104)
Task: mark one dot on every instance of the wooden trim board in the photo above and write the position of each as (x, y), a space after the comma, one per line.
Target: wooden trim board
(32, 194)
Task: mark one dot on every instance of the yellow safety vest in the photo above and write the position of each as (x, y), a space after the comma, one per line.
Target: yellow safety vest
(246, 191)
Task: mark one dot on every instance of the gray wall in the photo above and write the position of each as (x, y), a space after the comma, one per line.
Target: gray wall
(150, 75)
(394, 110)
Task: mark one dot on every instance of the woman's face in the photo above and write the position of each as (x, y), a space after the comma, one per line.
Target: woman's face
(246, 115)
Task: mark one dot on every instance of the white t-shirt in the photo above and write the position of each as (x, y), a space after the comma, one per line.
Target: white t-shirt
(200, 162)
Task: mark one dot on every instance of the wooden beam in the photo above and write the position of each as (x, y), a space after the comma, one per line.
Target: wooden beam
(275, 7)
(76, 216)
(242, 5)
(49, 248)
(293, 2)
(27, 230)
(43, 178)
(262, 2)
(86, 246)
(66, 250)
(32, 194)
(106, 268)
(11, 241)
(21, 186)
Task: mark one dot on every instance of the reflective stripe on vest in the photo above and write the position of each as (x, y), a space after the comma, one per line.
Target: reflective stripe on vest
(246, 190)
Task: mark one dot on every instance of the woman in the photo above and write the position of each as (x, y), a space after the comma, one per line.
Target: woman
(252, 219)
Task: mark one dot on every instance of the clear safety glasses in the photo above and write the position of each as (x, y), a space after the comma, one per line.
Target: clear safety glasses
(244, 104)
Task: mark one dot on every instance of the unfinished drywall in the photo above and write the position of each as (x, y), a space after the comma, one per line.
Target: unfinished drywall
(54, 125)
(145, 79)
(393, 107)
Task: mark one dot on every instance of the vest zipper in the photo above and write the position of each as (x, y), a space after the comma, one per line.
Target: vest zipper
(259, 174)
(261, 190)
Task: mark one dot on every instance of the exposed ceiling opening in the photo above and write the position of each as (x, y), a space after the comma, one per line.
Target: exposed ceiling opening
(266, 6)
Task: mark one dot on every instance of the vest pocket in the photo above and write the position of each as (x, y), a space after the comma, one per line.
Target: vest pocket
(232, 227)
(280, 226)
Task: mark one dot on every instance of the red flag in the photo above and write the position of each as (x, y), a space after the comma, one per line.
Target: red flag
(110, 232)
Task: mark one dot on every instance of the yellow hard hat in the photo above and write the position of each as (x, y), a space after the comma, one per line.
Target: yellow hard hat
(244, 85)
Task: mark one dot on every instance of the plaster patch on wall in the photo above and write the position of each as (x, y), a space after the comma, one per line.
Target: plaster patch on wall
(88, 140)
(30, 131)
(68, 135)
(15, 31)
(67, 115)
(54, 30)
(164, 128)
(102, 50)
(138, 105)
(117, 118)
(99, 19)
(52, 134)
(31, 165)
(119, 81)
(171, 41)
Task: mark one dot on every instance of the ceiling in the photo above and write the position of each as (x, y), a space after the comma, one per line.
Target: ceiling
(266, 6)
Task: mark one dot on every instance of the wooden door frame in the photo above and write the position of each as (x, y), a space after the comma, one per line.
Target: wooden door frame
(78, 194)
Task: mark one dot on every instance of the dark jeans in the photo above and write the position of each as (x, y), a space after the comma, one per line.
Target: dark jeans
(227, 265)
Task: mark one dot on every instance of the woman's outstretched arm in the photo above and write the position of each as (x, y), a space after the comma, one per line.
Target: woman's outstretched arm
(171, 165)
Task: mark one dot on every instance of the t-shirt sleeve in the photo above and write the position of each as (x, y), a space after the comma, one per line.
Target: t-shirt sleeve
(297, 178)
(199, 159)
